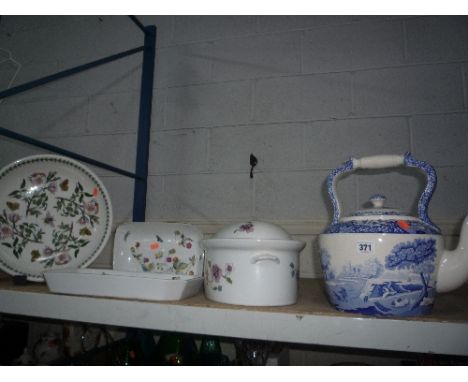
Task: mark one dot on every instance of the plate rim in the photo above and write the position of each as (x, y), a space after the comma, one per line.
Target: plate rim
(90, 174)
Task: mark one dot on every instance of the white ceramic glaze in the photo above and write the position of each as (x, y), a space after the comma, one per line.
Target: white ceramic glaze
(453, 266)
(54, 213)
(249, 270)
(253, 230)
(159, 247)
(130, 285)
(380, 261)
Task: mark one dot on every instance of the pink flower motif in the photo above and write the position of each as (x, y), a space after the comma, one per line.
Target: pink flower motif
(37, 178)
(14, 218)
(229, 268)
(145, 260)
(188, 245)
(82, 220)
(247, 228)
(5, 232)
(52, 187)
(216, 272)
(62, 258)
(91, 207)
(47, 251)
(168, 259)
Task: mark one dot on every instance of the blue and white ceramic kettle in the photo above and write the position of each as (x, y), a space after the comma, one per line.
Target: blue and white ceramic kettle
(380, 261)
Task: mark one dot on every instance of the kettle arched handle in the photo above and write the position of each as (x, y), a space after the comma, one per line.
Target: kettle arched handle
(385, 161)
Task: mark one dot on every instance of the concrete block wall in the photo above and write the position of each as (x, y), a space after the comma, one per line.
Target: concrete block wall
(302, 93)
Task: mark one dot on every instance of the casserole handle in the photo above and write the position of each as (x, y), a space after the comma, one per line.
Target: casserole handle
(265, 257)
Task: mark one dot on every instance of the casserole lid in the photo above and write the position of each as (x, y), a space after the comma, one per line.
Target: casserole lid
(253, 230)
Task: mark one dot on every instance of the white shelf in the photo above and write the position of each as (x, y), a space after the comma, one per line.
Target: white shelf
(310, 321)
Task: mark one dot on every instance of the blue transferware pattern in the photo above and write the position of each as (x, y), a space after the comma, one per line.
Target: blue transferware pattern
(403, 285)
(426, 196)
(345, 167)
(377, 213)
(425, 226)
(382, 226)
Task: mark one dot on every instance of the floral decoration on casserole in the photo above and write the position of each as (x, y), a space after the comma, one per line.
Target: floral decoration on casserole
(246, 227)
(294, 270)
(214, 275)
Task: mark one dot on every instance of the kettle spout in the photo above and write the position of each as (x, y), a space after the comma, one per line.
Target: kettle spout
(453, 266)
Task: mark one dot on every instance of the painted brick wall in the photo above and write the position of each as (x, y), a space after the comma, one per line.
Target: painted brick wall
(302, 93)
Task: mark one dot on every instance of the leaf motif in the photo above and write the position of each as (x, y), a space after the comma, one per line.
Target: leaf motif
(172, 251)
(229, 280)
(159, 239)
(158, 255)
(15, 194)
(64, 185)
(13, 205)
(181, 266)
(85, 231)
(35, 255)
(127, 234)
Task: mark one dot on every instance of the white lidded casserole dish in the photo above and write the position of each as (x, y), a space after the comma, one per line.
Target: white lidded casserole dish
(252, 263)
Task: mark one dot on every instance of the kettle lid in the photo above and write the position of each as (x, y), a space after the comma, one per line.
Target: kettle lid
(378, 209)
(380, 219)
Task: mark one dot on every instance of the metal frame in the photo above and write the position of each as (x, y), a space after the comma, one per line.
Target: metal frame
(140, 175)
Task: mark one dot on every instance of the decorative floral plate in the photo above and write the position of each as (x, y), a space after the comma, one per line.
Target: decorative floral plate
(54, 213)
(158, 247)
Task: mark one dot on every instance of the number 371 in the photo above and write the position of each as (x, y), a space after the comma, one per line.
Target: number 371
(364, 247)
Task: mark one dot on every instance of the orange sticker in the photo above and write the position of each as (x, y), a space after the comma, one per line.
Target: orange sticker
(404, 224)
(154, 246)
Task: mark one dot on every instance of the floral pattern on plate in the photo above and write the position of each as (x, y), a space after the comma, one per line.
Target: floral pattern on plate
(53, 212)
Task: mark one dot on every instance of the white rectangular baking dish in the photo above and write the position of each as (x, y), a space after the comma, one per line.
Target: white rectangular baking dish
(128, 285)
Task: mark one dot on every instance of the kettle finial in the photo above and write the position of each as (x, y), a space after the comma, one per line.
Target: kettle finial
(377, 200)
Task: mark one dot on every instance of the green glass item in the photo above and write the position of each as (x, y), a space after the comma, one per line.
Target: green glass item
(210, 352)
(176, 350)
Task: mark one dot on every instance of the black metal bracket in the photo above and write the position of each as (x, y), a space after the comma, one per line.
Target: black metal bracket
(144, 121)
